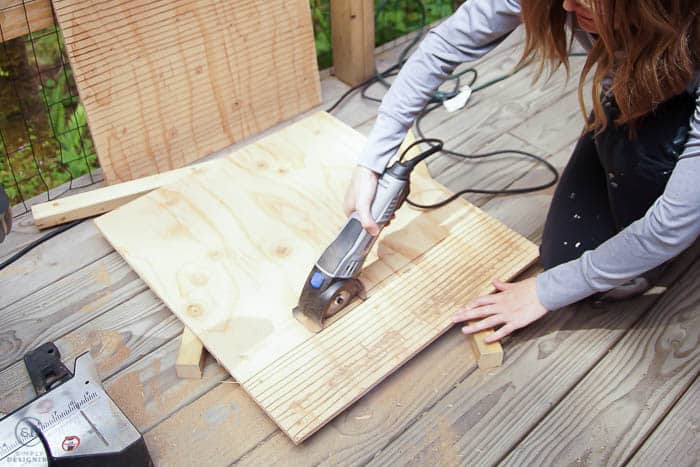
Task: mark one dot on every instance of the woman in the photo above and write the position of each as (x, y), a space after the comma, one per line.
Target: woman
(629, 199)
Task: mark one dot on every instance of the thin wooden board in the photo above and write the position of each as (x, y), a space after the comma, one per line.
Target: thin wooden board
(101, 200)
(228, 252)
(166, 83)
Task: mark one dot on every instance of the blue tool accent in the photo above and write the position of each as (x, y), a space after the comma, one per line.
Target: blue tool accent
(316, 280)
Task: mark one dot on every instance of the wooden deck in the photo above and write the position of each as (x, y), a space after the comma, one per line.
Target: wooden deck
(590, 384)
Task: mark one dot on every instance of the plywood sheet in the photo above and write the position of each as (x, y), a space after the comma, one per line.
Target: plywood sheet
(228, 250)
(165, 83)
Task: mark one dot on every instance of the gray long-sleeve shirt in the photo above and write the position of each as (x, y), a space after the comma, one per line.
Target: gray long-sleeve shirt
(669, 226)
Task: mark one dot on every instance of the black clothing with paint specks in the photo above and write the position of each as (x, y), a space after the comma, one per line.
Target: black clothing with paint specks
(613, 178)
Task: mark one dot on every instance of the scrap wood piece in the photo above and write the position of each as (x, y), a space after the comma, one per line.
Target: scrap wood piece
(229, 250)
(102, 200)
(166, 83)
(190, 356)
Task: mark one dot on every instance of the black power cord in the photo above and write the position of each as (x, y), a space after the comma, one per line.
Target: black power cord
(38, 242)
(435, 102)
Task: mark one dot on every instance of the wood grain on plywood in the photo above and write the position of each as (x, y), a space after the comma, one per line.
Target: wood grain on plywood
(245, 233)
(166, 83)
(372, 422)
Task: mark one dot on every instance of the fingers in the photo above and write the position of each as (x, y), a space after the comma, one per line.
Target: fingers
(364, 203)
(349, 202)
(359, 197)
(468, 314)
(501, 286)
(486, 323)
(363, 211)
(500, 333)
(481, 301)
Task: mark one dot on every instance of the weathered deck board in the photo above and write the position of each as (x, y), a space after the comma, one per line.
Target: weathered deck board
(149, 391)
(555, 126)
(134, 346)
(617, 405)
(486, 415)
(23, 230)
(115, 338)
(676, 441)
(65, 305)
(51, 261)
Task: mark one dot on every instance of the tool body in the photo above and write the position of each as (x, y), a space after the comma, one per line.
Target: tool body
(72, 422)
(333, 282)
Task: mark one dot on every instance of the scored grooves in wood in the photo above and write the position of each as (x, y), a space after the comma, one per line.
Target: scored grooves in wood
(339, 403)
(330, 334)
(335, 329)
(420, 336)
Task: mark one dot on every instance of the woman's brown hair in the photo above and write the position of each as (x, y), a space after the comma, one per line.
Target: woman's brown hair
(650, 48)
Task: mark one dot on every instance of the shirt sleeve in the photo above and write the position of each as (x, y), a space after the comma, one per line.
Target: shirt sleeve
(670, 226)
(475, 28)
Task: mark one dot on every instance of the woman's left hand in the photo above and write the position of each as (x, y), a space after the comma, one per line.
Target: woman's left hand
(513, 306)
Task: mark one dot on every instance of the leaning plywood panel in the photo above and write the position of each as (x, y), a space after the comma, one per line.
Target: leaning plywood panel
(228, 249)
(165, 83)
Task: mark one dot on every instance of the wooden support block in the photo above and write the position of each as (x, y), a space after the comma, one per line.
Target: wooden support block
(190, 356)
(15, 21)
(352, 30)
(487, 355)
(102, 200)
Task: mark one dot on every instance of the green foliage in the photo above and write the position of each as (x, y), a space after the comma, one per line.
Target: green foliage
(396, 18)
(53, 145)
(48, 45)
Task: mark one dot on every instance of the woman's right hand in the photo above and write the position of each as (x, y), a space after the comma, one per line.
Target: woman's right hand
(360, 195)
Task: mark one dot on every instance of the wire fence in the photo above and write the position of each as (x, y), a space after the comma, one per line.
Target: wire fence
(45, 141)
(44, 137)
